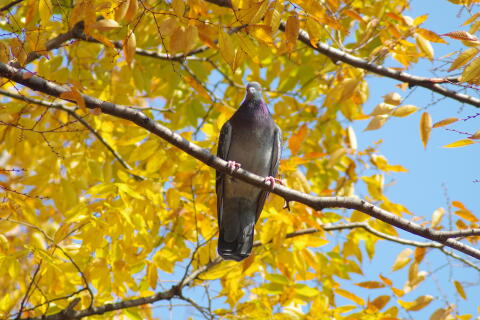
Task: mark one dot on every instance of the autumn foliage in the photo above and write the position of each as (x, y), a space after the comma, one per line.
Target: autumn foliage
(100, 214)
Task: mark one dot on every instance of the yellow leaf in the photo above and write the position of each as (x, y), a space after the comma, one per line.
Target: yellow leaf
(129, 47)
(314, 241)
(292, 30)
(444, 122)
(197, 86)
(305, 291)
(463, 58)
(412, 271)
(45, 10)
(392, 98)
(370, 284)
(75, 96)
(461, 225)
(178, 7)
(471, 19)
(191, 37)
(351, 138)
(378, 303)
(227, 49)
(430, 35)
(437, 217)
(335, 156)
(219, 270)
(260, 32)
(460, 290)
(18, 50)
(239, 58)
(131, 11)
(178, 40)
(297, 139)
(459, 205)
(414, 279)
(459, 143)
(248, 46)
(440, 314)
(252, 14)
(402, 259)
(475, 136)
(404, 111)
(381, 163)
(385, 280)
(418, 304)
(351, 296)
(105, 25)
(420, 19)
(103, 40)
(465, 214)
(259, 13)
(298, 181)
(398, 292)
(424, 46)
(348, 88)
(4, 53)
(471, 72)
(123, 187)
(461, 35)
(314, 30)
(168, 27)
(152, 275)
(272, 18)
(425, 128)
(354, 15)
(121, 9)
(382, 109)
(419, 254)
(376, 123)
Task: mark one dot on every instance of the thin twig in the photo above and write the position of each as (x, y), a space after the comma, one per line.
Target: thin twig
(71, 111)
(11, 4)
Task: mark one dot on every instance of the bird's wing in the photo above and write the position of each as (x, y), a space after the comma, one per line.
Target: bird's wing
(274, 163)
(222, 152)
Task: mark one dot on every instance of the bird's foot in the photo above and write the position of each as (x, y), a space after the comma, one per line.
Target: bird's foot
(232, 166)
(271, 181)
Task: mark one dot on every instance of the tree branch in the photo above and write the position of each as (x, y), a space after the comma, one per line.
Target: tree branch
(165, 295)
(54, 43)
(368, 228)
(412, 80)
(9, 5)
(317, 203)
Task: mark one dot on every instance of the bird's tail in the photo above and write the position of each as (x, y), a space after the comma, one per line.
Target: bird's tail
(241, 246)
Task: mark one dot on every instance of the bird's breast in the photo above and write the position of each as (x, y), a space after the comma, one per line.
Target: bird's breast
(252, 148)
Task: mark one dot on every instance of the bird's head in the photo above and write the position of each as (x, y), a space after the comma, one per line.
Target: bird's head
(254, 91)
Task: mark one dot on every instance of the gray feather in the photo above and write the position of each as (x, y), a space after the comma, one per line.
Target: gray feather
(252, 139)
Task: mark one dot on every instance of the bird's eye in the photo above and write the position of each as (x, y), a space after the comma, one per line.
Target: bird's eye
(252, 90)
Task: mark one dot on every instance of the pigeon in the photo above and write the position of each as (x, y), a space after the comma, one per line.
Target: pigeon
(250, 139)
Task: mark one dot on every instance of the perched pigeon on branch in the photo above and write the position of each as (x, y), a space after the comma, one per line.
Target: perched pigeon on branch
(251, 140)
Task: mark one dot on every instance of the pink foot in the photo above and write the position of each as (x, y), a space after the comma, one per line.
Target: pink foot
(271, 181)
(232, 166)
